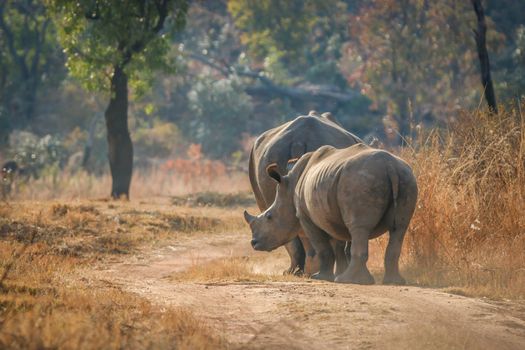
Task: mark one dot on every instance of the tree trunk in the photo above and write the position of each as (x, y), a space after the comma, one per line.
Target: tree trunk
(29, 91)
(480, 34)
(120, 148)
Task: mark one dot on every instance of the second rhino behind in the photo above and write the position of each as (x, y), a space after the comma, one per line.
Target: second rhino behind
(276, 147)
(352, 194)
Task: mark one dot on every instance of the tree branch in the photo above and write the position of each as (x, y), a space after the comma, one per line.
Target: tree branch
(139, 45)
(40, 39)
(268, 87)
(162, 9)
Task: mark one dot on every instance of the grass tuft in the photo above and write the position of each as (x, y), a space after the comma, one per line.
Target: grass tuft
(216, 199)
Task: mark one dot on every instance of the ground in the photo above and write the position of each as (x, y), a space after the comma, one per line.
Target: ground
(257, 307)
(199, 259)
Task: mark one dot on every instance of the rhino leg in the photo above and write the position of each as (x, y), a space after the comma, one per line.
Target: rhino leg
(321, 243)
(297, 257)
(311, 264)
(341, 263)
(357, 272)
(348, 248)
(393, 251)
(407, 203)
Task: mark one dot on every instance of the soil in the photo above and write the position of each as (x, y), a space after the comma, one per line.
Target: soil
(307, 314)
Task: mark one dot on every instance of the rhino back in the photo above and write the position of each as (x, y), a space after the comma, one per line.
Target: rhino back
(292, 140)
(339, 186)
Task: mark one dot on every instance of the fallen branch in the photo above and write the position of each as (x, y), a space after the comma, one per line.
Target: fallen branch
(268, 87)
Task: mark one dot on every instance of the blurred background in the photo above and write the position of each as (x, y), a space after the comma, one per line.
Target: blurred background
(219, 73)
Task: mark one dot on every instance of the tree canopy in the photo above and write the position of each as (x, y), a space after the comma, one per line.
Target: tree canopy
(30, 58)
(216, 73)
(99, 35)
(109, 42)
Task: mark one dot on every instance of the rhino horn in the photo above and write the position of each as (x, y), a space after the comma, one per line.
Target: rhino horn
(248, 217)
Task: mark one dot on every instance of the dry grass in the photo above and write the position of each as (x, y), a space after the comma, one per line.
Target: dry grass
(261, 268)
(56, 315)
(97, 227)
(46, 303)
(469, 227)
(216, 199)
(145, 184)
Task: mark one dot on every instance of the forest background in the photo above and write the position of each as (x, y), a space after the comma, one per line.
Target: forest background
(233, 69)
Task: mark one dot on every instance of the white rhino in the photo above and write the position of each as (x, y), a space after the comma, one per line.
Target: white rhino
(276, 147)
(352, 194)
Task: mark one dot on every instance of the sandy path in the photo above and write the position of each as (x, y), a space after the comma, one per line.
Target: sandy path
(318, 315)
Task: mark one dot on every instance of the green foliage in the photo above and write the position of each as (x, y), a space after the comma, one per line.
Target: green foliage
(518, 56)
(510, 68)
(290, 37)
(37, 154)
(221, 111)
(100, 35)
(417, 51)
(159, 141)
(30, 60)
(393, 51)
(356, 116)
(282, 26)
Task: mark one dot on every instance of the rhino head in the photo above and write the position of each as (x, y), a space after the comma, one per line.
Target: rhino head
(278, 224)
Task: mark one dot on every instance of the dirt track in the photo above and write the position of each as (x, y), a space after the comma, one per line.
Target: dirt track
(316, 315)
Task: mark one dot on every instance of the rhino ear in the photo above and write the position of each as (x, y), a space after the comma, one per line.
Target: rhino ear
(273, 172)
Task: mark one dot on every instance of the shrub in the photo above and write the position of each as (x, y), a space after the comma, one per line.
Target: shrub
(221, 111)
(36, 154)
(160, 141)
(469, 226)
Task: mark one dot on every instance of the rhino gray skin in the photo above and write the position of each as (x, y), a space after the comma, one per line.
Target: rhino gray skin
(290, 141)
(352, 194)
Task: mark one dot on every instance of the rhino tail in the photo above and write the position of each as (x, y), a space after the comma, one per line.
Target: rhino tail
(394, 181)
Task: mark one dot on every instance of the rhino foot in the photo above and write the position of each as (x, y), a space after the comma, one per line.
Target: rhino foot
(296, 271)
(394, 279)
(363, 277)
(323, 276)
(312, 265)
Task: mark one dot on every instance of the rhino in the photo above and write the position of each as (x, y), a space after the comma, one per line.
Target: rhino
(289, 141)
(353, 194)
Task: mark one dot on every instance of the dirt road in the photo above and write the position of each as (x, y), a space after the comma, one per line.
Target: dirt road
(305, 314)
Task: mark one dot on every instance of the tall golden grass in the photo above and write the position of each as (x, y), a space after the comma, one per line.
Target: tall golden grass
(468, 230)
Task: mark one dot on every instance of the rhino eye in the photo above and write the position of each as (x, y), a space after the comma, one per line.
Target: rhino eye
(268, 215)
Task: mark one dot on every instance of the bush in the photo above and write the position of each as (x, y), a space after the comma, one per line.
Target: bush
(221, 111)
(37, 155)
(160, 141)
(469, 229)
